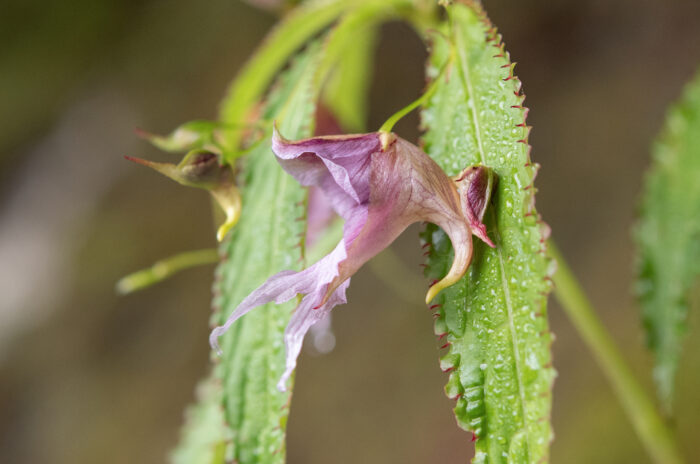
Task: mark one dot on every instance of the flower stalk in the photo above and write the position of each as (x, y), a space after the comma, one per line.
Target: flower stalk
(389, 124)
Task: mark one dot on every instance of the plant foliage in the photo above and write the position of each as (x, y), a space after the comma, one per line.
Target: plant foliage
(268, 238)
(494, 321)
(668, 237)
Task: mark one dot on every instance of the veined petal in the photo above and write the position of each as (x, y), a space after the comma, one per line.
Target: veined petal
(379, 184)
(319, 215)
(304, 317)
(283, 286)
(339, 165)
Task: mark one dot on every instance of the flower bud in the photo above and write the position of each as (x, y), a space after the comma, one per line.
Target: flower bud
(475, 185)
(201, 169)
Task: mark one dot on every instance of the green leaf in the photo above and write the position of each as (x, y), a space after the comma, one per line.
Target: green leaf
(268, 239)
(668, 237)
(204, 436)
(495, 319)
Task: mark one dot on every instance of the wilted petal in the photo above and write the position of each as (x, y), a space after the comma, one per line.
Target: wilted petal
(319, 215)
(284, 286)
(380, 187)
(339, 165)
(379, 184)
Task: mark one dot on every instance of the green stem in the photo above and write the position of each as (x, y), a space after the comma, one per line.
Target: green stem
(165, 268)
(288, 36)
(396, 117)
(653, 432)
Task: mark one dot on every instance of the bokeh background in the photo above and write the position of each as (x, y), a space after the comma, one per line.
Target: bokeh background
(87, 376)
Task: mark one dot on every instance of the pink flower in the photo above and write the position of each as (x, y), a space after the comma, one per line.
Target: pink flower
(379, 184)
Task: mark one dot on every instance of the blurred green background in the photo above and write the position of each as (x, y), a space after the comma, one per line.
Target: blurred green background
(87, 376)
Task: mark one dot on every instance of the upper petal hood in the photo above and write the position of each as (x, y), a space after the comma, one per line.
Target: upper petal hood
(339, 165)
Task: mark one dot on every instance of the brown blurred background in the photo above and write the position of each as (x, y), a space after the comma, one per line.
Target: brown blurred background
(87, 376)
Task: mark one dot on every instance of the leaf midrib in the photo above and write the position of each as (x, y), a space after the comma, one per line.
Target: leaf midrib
(466, 79)
(514, 334)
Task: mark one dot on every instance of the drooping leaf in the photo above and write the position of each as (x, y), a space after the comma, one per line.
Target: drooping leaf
(494, 321)
(668, 237)
(268, 239)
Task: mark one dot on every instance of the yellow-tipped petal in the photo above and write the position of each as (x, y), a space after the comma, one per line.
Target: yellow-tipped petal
(461, 239)
(447, 281)
(224, 228)
(229, 199)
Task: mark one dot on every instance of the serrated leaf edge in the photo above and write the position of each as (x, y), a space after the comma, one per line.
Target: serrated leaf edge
(450, 361)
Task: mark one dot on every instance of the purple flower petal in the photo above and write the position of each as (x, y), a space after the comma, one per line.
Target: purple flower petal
(339, 165)
(379, 184)
(319, 215)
